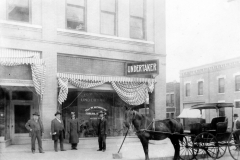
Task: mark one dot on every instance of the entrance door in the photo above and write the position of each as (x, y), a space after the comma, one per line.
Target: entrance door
(21, 114)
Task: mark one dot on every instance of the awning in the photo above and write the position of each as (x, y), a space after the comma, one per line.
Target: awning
(191, 113)
(96, 78)
(132, 90)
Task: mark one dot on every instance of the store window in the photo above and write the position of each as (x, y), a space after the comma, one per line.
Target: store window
(237, 83)
(108, 17)
(200, 88)
(237, 104)
(75, 15)
(187, 89)
(19, 10)
(87, 104)
(137, 19)
(221, 85)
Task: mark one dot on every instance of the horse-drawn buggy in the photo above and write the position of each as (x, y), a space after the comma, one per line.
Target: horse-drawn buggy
(202, 141)
(210, 140)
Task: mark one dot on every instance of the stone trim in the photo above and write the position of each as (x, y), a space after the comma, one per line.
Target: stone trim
(16, 82)
(20, 26)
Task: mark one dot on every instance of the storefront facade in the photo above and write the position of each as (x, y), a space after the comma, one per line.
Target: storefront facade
(91, 53)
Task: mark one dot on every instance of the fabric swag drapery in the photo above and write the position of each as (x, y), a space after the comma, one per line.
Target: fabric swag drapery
(12, 57)
(133, 91)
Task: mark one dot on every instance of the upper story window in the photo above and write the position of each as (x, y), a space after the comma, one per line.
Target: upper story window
(75, 14)
(187, 89)
(237, 104)
(108, 17)
(137, 20)
(237, 83)
(19, 10)
(170, 100)
(221, 85)
(200, 88)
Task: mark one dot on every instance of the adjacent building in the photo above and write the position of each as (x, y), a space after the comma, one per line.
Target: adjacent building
(70, 55)
(172, 99)
(216, 82)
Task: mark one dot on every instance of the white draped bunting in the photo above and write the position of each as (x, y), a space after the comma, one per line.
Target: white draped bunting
(130, 91)
(13, 57)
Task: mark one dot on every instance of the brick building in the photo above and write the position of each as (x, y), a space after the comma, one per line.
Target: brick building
(87, 40)
(172, 99)
(212, 83)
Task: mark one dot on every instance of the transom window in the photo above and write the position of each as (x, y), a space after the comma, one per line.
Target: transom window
(137, 20)
(237, 83)
(200, 88)
(221, 85)
(19, 10)
(108, 17)
(75, 15)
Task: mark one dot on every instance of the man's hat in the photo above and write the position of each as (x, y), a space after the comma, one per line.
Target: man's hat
(58, 112)
(36, 114)
(235, 115)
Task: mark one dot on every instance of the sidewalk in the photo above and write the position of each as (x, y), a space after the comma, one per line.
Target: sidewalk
(161, 150)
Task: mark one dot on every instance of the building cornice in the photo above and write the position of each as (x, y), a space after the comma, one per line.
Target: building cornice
(16, 82)
(85, 46)
(209, 68)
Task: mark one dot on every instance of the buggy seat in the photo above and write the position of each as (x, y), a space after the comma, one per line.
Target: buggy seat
(218, 124)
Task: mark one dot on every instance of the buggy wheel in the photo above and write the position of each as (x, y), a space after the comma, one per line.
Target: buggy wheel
(234, 145)
(187, 152)
(222, 149)
(207, 144)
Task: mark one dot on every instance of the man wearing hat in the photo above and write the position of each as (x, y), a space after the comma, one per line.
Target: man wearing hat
(236, 127)
(102, 132)
(35, 128)
(57, 130)
(73, 130)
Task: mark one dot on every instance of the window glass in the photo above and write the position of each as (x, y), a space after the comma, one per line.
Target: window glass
(76, 2)
(136, 8)
(172, 99)
(107, 23)
(221, 84)
(200, 88)
(237, 83)
(75, 17)
(136, 28)
(108, 5)
(188, 89)
(237, 104)
(18, 10)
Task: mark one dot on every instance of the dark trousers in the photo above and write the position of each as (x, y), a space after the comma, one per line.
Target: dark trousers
(74, 145)
(36, 135)
(102, 142)
(60, 138)
(236, 135)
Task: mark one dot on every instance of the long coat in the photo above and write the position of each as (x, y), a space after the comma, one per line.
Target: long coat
(73, 130)
(56, 126)
(32, 125)
(102, 127)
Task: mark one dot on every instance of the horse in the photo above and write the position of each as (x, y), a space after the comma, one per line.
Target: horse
(167, 128)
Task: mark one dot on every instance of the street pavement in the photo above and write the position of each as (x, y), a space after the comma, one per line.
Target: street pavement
(131, 150)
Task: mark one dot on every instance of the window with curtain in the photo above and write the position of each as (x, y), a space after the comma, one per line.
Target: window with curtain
(19, 10)
(200, 88)
(237, 83)
(75, 15)
(137, 19)
(187, 89)
(221, 85)
(108, 17)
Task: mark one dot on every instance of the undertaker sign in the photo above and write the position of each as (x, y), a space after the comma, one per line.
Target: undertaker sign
(145, 67)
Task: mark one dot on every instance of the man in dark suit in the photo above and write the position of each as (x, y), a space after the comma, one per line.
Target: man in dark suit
(57, 130)
(35, 127)
(102, 132)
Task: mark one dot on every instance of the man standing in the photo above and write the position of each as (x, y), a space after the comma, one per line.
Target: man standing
(57, 130)
(73, 130)
(102, 132)
(236, 130)
(35, 127)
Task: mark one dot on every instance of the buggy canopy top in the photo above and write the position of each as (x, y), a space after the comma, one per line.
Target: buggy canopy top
(212, 106)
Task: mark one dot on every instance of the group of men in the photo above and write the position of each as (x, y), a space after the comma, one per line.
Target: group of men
(36, 130)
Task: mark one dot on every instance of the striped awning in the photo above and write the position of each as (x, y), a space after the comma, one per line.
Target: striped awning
(96, 78)
(16, 53)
